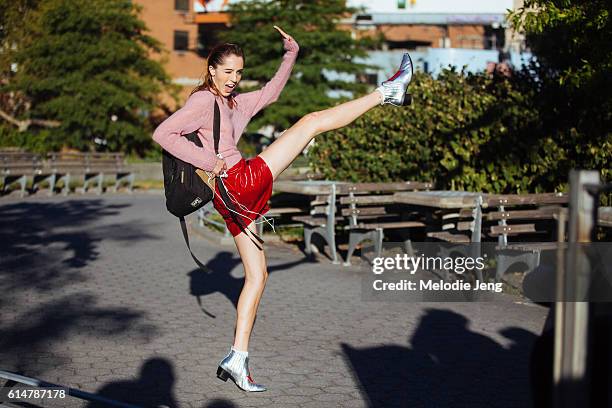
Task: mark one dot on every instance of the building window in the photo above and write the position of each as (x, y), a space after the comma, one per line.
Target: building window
(407, 44)
(208, 37)
(494, 38)
(181, 40)
(181, 5)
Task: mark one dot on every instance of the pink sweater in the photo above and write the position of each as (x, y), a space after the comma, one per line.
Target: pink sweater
(197, 114)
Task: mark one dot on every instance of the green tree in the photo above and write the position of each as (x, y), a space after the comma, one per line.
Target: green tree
(13, 105)
(323, 46)
(83, 71)
(573, 76)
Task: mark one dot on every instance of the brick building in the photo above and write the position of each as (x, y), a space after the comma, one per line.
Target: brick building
(466, 24)
(189, 28)
(438, 33)
(186, 32)
(412, 31)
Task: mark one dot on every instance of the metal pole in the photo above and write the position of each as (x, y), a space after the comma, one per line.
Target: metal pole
(571, 380)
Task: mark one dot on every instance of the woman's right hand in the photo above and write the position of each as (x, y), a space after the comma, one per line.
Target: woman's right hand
(219, 167)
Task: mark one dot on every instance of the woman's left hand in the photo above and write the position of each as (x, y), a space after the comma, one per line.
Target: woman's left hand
(284, 34)
(290, 43)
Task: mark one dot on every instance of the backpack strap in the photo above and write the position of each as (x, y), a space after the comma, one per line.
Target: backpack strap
(186, 236)
(216, 127)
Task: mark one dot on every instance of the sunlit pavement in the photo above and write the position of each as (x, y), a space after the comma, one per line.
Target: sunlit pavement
(99, 293)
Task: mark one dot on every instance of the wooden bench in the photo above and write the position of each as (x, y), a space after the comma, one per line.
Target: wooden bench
(503, 211)
(19, 166)
(457, 226)
(370, 210)
(92, 167)
(519, 215)
(505, 218)
(276, 214)
(524, 217)
(321, 220)
(283, 206)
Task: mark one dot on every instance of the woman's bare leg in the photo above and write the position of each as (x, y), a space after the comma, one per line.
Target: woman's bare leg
(279, 156)
(283, 151)
(256, 275)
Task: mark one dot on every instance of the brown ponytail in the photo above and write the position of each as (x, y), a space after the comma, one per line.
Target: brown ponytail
(215, 58)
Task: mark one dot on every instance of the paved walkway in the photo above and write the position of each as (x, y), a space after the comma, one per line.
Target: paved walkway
(99, 293)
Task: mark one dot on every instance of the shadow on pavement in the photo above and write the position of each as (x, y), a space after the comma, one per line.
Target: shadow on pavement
(218, 277)
(44, 245)
(45, 249)
(36, 332)
(447, 365)
(152, 388)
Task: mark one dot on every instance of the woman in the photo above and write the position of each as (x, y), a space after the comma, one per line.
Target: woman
(249, 182)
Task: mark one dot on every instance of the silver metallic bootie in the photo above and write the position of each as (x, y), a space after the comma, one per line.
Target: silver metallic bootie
(236, 366)
(393, 89)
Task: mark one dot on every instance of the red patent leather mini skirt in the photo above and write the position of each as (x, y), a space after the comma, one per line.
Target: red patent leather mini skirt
(249, 182)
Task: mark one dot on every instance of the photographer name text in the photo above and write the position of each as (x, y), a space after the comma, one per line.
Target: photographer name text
(431, 285)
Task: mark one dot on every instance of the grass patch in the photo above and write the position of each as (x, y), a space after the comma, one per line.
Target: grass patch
(290, 233)
(149, 184)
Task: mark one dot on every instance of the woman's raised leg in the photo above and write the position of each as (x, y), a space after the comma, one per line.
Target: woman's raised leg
(283, 151)
(280, 154)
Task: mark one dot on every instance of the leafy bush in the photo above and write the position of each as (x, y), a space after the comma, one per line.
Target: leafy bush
(40, 141)
(464, 132)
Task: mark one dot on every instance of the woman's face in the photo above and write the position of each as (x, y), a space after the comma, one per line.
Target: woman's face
(227, 74)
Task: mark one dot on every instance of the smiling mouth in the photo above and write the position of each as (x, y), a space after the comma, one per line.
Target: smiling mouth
(230, 87)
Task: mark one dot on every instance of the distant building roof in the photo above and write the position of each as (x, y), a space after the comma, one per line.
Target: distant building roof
(428, 18)
(434, 6)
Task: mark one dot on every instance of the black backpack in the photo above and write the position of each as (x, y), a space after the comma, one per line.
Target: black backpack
(186, 192)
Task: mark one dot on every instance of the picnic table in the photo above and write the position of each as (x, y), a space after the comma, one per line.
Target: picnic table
(450, 214)
(323, 206)
(306, 187)
(465, 199)
(363, 209)
(474, 203)
(438, 198)
(318, 187)
(446, 200)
